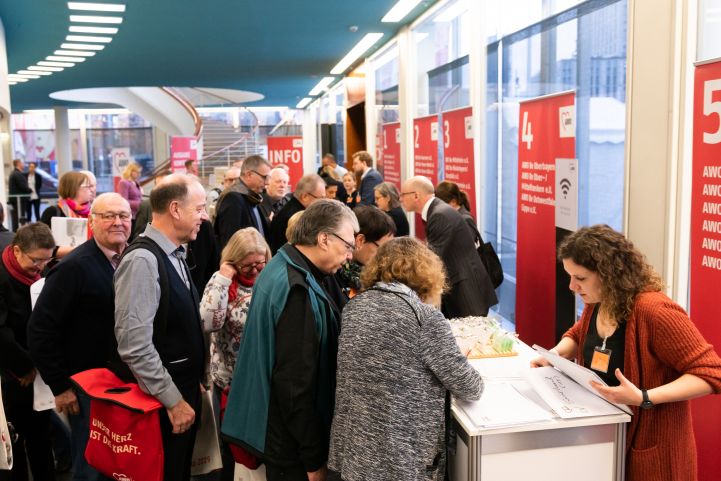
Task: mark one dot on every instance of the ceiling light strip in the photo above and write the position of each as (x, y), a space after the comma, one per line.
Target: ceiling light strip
(34, 72)
(96, 7)
(22, 75)
(81, 46)
(321, 86)
(302, 104)
(96, 19)
(45, 69)
(45, 63)
(354, 54)
(399, 11)
(86, 29)
(80, 53)
(64, 58)
(88, 38)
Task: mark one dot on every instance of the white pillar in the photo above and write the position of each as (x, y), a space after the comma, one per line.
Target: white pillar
(62, 141)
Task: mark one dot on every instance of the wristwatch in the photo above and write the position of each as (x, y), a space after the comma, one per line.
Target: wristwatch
(646, 403)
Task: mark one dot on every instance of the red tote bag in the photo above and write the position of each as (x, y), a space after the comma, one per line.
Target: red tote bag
(125, 441)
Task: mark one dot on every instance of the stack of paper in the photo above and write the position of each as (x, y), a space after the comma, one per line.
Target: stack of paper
(502, 405)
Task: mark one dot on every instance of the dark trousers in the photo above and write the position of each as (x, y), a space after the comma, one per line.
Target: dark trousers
(33, 430)
(79, 432)
(33, 207)
(285, 473)
(178, 448)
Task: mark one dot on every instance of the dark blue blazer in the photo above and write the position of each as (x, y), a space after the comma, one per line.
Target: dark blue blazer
(368, 185)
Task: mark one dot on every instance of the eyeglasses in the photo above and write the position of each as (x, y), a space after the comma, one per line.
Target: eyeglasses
(264, 177)
(317, 196)
(111, 216)
(231, 180)
(406, 193)
(375, 243)
(349, 246)
(37, 262)
(250, 267)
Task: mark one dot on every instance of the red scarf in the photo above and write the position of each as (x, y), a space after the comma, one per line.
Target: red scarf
(13, 267)
(79, 210)
(233, 289)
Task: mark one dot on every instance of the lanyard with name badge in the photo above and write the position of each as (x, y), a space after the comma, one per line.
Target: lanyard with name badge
(601, 357)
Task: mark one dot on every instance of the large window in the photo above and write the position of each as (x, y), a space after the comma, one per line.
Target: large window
(582, 49)
(709, 30)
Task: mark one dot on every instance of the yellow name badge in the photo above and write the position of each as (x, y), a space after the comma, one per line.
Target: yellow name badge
(601, 359)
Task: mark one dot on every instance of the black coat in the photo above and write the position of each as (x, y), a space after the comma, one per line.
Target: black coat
(471, 291)
(18, 183)
(38, 182)
(15, 310)
(280, 224)
(71, 328)
(400, 220)
(234, 212)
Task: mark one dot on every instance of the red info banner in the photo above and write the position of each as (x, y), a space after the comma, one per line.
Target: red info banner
(542, 139)
(458, 163)
(425, 156)
(181, 150)
(287, 151)
(705, 270)
(389, 155)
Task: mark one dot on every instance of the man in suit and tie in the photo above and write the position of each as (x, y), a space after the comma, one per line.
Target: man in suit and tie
(471, 292)
(71, 327)
(370, 177)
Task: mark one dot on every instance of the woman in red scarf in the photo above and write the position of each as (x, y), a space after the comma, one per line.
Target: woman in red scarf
(225, 303)
(21, 264)
(75, 192)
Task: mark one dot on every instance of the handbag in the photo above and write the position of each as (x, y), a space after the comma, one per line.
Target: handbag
(124, 442)
(6, 440)
(206, 451)
(491, 262)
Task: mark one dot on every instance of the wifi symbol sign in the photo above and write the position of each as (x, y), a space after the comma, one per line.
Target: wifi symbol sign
(565, 186)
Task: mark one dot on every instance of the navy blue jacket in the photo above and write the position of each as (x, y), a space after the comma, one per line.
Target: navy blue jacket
(368, 185)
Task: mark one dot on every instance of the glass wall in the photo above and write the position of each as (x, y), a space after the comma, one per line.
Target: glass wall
(582, 49)
(709, 30)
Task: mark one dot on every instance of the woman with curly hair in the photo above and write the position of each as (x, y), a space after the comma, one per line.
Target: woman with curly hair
(397, 359)
(643, 345)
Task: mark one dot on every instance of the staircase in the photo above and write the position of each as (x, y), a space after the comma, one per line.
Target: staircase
(224, 144)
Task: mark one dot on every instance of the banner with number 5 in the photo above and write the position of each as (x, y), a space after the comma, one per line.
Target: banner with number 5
(705, 248)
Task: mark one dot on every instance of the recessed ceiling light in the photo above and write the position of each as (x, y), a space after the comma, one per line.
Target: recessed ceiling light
(34, 72)
(22, 75)
(64, 58)
(56, 64)
(88, 38)
(399, 11)
(97, 7)
(303, 103)
(359, 49)
(74, 52)
(81, 46)
(19, 80)
(95, 19)
(85, 29)
(45, 69)
(321, 86)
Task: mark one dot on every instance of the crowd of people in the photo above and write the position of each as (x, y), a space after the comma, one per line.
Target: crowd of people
(315, 320)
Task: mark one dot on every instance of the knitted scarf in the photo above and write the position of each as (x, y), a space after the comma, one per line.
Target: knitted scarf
(78, 210)
(15, 270)
(243, 281)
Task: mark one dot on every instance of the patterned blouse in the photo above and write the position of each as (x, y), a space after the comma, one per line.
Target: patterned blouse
(226, 323)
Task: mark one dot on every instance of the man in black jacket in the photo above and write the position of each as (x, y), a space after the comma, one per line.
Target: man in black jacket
(19, 192)
(71, 327)
(310, 188)
(237, 206)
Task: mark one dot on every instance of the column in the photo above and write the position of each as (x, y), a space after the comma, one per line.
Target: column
(62, 141)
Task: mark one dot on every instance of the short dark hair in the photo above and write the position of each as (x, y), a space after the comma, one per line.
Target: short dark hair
(253, 162)
(329, 156)
(169, 191)
(373, 223)
(34, 236)
(448, 191)
(188, 163)
(16, 162)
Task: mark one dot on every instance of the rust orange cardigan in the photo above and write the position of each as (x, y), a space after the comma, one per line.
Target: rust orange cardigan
(661, 344)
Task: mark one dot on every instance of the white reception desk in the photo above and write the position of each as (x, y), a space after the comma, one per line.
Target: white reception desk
(589, 448)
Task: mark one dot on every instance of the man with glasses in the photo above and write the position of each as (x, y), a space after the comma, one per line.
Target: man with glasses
(237, 206)
(310, 188)
(276, 195)
(71, 327)
(22, 262)
(281, 408)
(471, 290)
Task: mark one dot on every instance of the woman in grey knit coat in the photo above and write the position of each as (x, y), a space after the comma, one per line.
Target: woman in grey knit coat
(396, 360)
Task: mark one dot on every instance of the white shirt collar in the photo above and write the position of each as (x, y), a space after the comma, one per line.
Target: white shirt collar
(365, 172)
(424, 212)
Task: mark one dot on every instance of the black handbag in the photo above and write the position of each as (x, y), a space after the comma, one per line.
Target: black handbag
(491, 262)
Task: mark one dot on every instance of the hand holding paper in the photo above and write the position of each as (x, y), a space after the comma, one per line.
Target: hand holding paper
(626, 393)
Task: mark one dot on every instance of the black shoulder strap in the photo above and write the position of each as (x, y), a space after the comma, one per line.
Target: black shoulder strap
(161, 316)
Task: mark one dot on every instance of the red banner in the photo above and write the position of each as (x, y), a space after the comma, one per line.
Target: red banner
(389, 153)
(287, 151)
(546, 132)
(182, 149)
(425, 156)
(458, 163)
(705, 267)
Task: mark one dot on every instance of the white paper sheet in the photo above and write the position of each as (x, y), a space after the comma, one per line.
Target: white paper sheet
(69, 231)
(578, 373)
(43, 398)
(502, 405)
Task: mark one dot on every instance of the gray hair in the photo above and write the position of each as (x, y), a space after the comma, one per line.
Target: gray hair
(422, 184)
(253, 162)
(386, 189)
(102, 198)
(307, 184)
(323, 215)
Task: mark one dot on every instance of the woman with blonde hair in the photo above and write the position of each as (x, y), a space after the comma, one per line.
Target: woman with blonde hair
(397, 359)
(350, 185)
(130, 189)
(643, 345)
